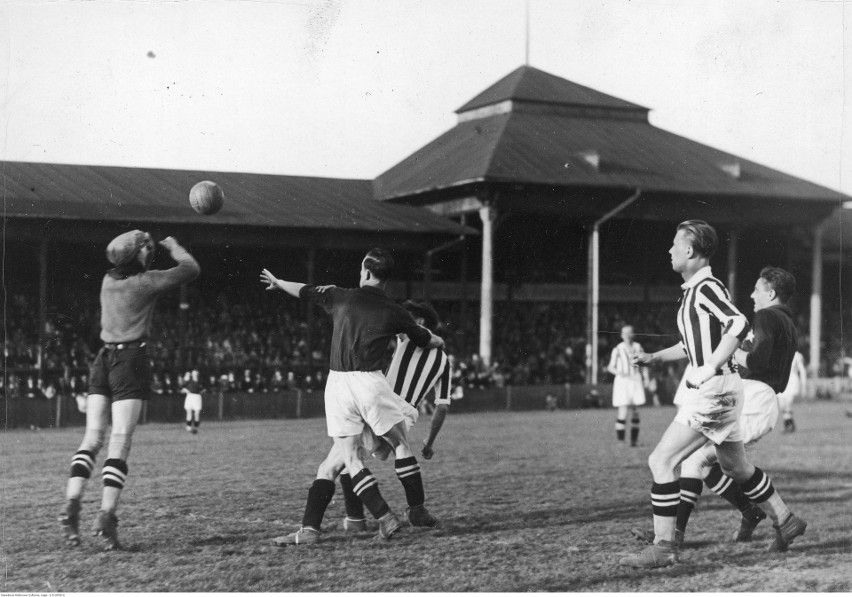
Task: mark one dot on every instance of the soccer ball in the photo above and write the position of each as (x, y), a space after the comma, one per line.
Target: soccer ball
(206, 197)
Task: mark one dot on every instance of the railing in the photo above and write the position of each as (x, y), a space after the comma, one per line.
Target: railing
(63, 411)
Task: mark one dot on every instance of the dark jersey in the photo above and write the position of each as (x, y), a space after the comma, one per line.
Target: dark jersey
(364, 321)
(775, 342)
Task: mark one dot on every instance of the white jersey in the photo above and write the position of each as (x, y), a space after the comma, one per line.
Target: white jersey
(414, 371)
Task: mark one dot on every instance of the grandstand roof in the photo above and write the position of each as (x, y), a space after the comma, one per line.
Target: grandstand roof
(104, 193)
(534, 85)
(532, 128)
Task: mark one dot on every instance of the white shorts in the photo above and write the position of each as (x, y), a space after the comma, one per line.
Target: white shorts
(680, 393)
(714, 409)
(356, 398)
(760, 410)
(371, 441)
(628, 391)
(192, 402)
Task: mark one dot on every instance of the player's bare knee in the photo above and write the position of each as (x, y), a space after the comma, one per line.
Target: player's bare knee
(93, 439)
(330, 468)
(119, 445)
(661, 465)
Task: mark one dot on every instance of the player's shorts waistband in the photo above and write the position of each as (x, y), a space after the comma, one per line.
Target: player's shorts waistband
(124, 345)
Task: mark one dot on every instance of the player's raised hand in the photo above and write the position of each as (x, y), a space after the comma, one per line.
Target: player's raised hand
(268, 278)
(168, 243)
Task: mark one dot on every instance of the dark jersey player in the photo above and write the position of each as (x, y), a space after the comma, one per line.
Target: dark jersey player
(357, 393)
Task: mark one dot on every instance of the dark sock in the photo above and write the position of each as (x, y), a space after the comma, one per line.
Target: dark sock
(722, 485)
(408, 472)
(354, 505)
(367, 489)
(690, 490)
(319, 497)
(665, 498)
(634, 428)
(759, 488)
(620, 425)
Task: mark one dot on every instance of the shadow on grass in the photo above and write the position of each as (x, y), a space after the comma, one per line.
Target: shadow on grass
(546, 519)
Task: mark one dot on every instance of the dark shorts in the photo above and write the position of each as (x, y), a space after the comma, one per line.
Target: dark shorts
(121, 374)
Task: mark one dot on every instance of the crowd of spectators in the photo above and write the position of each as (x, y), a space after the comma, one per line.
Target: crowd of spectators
(256, 342)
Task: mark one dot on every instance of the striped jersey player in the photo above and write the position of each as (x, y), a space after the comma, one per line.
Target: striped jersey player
(628, 387)
(711, 329)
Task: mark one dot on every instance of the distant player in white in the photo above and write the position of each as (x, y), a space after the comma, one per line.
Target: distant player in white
(796, 386)
(628, 390)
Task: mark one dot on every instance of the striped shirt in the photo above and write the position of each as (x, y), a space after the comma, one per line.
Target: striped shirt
(621, 359)
(706, 313)
(414, 371)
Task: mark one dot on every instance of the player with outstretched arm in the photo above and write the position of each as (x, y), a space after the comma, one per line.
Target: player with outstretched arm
(364, 320)
(412, 373)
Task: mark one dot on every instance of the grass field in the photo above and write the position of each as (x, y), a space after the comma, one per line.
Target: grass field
(529, 502)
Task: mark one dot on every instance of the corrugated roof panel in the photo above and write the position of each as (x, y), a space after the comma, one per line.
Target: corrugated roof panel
(108, 193)
(548, 149)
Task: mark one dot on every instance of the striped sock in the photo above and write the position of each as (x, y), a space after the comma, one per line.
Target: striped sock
(319, 497)
(408, 472)
(665, 498)
(354, 505)
(114, 473)
(723, 486)
(690, 491)
(82, 464)
(760, 490)
(620, 426)
(367, 488)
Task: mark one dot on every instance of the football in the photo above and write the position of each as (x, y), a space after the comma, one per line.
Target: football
(206, 197)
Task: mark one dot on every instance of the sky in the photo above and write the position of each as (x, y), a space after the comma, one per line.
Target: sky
(349, 88)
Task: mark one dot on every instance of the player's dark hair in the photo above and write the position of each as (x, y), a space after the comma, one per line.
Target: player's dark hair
(380, 263)
(431, 321)
(702, 236)
(779, 280)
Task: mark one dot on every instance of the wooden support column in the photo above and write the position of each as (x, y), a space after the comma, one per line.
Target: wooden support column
(488, 214)
(463, 306)
(42, 305)
(309, 316)
(733, 255)
(816, 302)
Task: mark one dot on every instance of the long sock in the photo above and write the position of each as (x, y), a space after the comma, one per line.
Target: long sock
(114, 476)
(620, 426)
(634, 429)
(354, 505)
(367, 488)
(725, 487)
(665, 498)
(690, 490)
(319, 497)
(408, 472)
(760, 490)
(82, 465)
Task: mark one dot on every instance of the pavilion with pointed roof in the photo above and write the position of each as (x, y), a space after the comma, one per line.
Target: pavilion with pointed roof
(534, 142)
